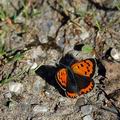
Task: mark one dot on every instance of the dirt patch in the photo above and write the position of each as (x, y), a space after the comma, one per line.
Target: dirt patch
(37, 33)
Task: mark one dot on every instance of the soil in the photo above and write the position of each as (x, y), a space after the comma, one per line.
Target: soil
(35, 35)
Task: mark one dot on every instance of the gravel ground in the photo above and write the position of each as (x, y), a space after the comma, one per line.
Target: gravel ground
(35, 35)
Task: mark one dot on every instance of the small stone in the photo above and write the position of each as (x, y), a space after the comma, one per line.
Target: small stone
(34, 65)
(25, 107)
(12, 105)
(60, 42)
(88, 117)
(43, 39)
(53, 56)
(115, 54)
(52, 30)
(87, 109)
(47, 93)
(84, 35)
(40, 109)
(16, 87)
(36, 86)
(8, 95)
(79, 103)
(38, 52)
(61, 99)
(29, 62)
(20, 19)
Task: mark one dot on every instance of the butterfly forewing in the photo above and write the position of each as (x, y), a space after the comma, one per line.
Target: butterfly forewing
(61, 78)
(84, 67)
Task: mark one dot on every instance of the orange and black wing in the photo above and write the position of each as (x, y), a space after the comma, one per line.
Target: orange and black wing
(71, 94)
(84, 67)
(87, 89)
(83, 71)
(62, 78)
(65, 78)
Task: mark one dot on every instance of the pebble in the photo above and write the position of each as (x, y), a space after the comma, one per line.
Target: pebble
(115, 54)
(84, 35)
(60, 42)
(16, 87)
(40, 109)
(43, 39)
(12, 105)
(61, 99)
(38, 52)
(29, 62)
(79, 103)
(34, 65)
(24, 107)
(53, 56)
(87, 109)
(37, 86)
(8, 95)
(47, 93)
(88, 117)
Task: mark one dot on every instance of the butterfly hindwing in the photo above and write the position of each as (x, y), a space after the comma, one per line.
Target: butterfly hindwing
(87, 88)
(71, 94)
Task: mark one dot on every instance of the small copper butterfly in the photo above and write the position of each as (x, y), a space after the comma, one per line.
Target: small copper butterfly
(76, 79)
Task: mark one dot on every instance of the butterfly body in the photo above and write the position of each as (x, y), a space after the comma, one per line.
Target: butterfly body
(76, 79)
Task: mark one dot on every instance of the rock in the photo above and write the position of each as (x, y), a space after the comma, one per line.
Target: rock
(38, 52)
(115, 54)
(88, 117)
(107, 3)
(79, 5)
(84, 35)
(79, 103)
(36, 86)
(47, 93)
(7, 95)
(16, 87)
(53, 56)
(43, 39)
(34, 65)
(12, 105)
(87, 109)
(40, 109)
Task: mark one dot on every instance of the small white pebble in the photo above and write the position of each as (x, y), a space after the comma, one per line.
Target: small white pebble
(34, 65)
(88, 117)
(47, 93)
(87, 109)
(61, 99)
(29, 62)
(40, 109)
(115, 54)
(38, 52)
(8, 95)
(84, 35)
(16, 87)
(36, 86)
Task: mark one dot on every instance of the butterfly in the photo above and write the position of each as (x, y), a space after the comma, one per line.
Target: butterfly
(76, 79)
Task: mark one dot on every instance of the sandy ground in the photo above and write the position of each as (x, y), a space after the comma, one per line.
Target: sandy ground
(35, 35)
